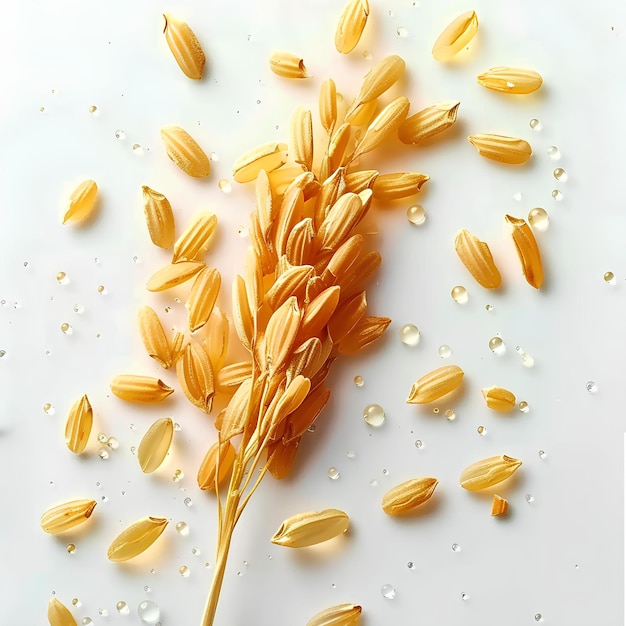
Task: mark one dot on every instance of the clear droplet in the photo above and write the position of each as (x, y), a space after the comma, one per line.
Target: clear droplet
(184, 571)
(538, 617)
(388, 592)
(523, 406)
(436, 410)
(373, 483)
(367, 55)
(419, 444)
(517, 196)
(86, 621)
(530, 498)
(488, 308)
(359, 381)
(225, 185)
(456, 547)
(147, 589)
(113, 443)
(104, 499)
(497, 345)
(71, 548)
(93, 109)
(149, 612)
(538, 219)
(41, 109)
(66, 329)
(182, 528)
(351, 454)
(48, 353)
(450, 415)
(102, 438)
(554, 153)
(48, 409)
(411, 565)
(79, 309)
(102, 290)
(137, 149)
(196, 551)
(527, 360)
(188, 501)
(410, 335)
(214, 156)
(609, 278)
(535, 124)
(133, 449)
(103, 453)
(402, 32)
(560, 174)
(122, 607)
(120, 134)
(416, 214)
(177, 427)
(311, 428)
(374, 415)
(3, 353)
(242, 231)
(542, 454)
(385, 472)
(103, 613)
(178, 475)
(76, 602)
(459, 294)
(481, 430)
(557, 195)
(591, 386)
(333, 473)
(444, 351)
(465, 596)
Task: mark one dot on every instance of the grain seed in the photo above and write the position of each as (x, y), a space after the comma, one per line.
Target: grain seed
(428, 122)
(302, 137)
(360, 180)
(499, 399)
(366, 332)
(308, 529)
(527, 250)
(66, 516)
(499, 506)
(140, 388)
(380, 78)
(173, 275)
(477, 258)
(398, 186)
(242, 316)
(195, 375)
(408, 495)
(59, 614)
(510, 79)
(280, 334)
(185, 47)
(196, 237)
(488, 472)
(82, 203)
(455, 36)
(328, 105)
(231, 376)
(216, 333)
(268, 157)
(291, 283)
(350, 26)
(78, 425)
(155, 445)
(202, 297)
(159, 217)
(362, 113)
(135, 539)
(154, 337)
(436, 384)
(509, 150)
(185, 152)
(288, 65)
(281, 457)
(209, 465)
(340, 615)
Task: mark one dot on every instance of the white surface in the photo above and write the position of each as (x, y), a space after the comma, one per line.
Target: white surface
(560, 556)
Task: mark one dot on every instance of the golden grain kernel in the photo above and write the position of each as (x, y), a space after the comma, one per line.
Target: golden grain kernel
(231, 376)
(455, 36)
(216, 333)
(436, 384)
(399, 185)
(195, 375)
(428, 122)
(347, 315)
(185, 152)
(380, 78)
(477, 258)
(289, 214)
(280, 334)
(527, 250)
(155, 445)
(340, 615)
(209, 467)
(154, 337)
(288, 65)
(350, 26)
(362, 114)
(299, 249)
(366, 332)
(242, 316)
(488, 472)
(140, 388)
(499, 399)
(66, 516)
(135, 539)
(338, 145)
(290, 283)
(185, 47)
(59, 614)
(281, 457)
(510, 79)
(268, 157)
(78, 425)
(302, 137)
(344, 215)
(358, 274)
(236, 414)
(159, 217)
(195, 239)
(360, 180)
(202, 297)
(82, 203)
(308, 529)
(282, 177)
(408, 495)
(328, 105)
(509, 150)
(306, 414)
(173, 275)
(499, 506)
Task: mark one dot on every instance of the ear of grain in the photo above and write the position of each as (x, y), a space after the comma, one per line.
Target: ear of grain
(290, 213)
(360, 180)
(154, 337)
(195, 375)
(268, 157)
(428, 122)
(202, 297)
(340, 615)
(299, 248)
(281, 458)
(366, 332)
(328, 105)
(135, 539)
(78, 425)
(159, 217)
(140, 388)
(231, 376)
(300, 420)
(499, 399)
(408, 495)
(342, 218)
(488, 472)
(499, 506)
(82, 203)
(280, 335)
(208, 471)
(509, 150)
(215, 342)
(195, 239)
(477, 258)
(399, 185)
(510, 80)
(185, 47)
(362, 114)
(455, 36)
(380, 78)
(302, 137)
(436, 384)
(288, 65)
(347, 316)
(527, 250)
(155, 445)
(67, 516)
(59, 614)
(185, 152)
(291, 283)
(173, 275)
(350, 25)
(308, 529)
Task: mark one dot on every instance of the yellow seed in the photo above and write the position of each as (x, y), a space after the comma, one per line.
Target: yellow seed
(185, 152)
(366, 332)
(337, 146)
(455, 36)
(302, 137)
(281, 177)
(328, 105)
(280, 335)
(154, 337)
(159, 217)
(155, 445)
(66, 516)
(139, 388)
(499, 399)
(268, 157)
(477, 258)
(380, 78)
(288, 65)
(135, 539)
(408, 495)
(82, 202)
(242, 316)
(231, 376)
(510, 79)
(185, 47)
(59, 614)
(78, 425)
(196, 237)
(436, 384)
(351, 24)
(527, 250)
(488, 472)
(291, 283)
(195, 375)
(236, 413)
(208, 467)
(307, 529)
(202, 297)
(428, 122)
(344, 215)
(397, 186)
(499, 506)
(216, 338)
(340, 615)
(509, 150)
(173, 275)
(362, 114)
(360, 180)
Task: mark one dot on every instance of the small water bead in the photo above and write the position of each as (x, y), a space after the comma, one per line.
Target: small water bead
(311, 428)
(542, 454)
(3, 353)
(373, 483)
(86, 621)
(359, 381)
(133, 449)
(385, 472)
(48, 409)
(560, 174)
(102, 438)
(523, 406)
(41, 109)
(450, 415)
(459, 294)
(137, 149)
(183, 570)
(195, 551)
(149, 612)
(529, 498)
(214, 156)
(66, 329)
(419, 444)
(333, 473)
(76, 602)
(488, 308)
(147, 589)
(188, 501)
(104, 499)
(481, 430)
(388, 592)
(103, 453)
(93, 109)
(557, 195)
(120, 134)
(102, 290)
(351, 454)
(554, 153)
(367, 55)
(538, 617)
(535, 124)
(444, 351)
(113, 443)
(411, 566)
(591, 386)
(242, 231)
(465, 596)
(225, 185)
(416, 214)
(71, 548)
(48, 353)
(374, 415)
(79, 309)
(609, 278)
(182, 528)
(402, 32)
(456, 547)
(410, 335)
(517, 196)
(177, 427)
(497, 345)
(178, 475)
(538, 219)
(436, 410)
(103, 612)
(527, 360)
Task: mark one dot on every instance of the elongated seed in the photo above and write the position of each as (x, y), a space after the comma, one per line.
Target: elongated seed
(66, 516)
(159, 217)
(59, 614)
(340, 615)
(173, 275)
(399, 185)
(455, 36)
(499, 399)
(185, 152)
(209, 465)
(328, 104)
(351, 25)
(366, 332)
(527, 250)
(202, 297)
(307, 529)
(509, 150)
(302, 137)
(140, 388)
(195, 375)
(477, 258)
(154, 337)
(268, 157)
(428, 122)
(155, 445)
(185, 47)
(408, 495)
(499, 506)
(436, 384)
(82, 203)
(135, 539)
(78, 425)
(195, 239)
(488, 472)
(380, 78)
(288, 65)
(510, 80)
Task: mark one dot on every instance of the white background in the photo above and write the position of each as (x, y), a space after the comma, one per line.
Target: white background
(560, 556)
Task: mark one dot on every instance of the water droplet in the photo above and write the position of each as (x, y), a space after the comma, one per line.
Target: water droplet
(66, 329)
(86, 621)
(591, 387)
(103, 612)
(416, 214)
(133, 449)
(560, 174)
(374, 415)
(497, 346)
(388, 592)
(103, 453)
(557, 195)
(351, 454)
(195, 551)
(523, 406)
(359, 381)
(411, 565)
(609, 278)
(529, 498)
(137, 149)
(71, 548)
(538, 617)
(436, 410)
(104, 499)
(410, 335)
(79, 309)
(178, 475)
(120, 134)
(113, 443)
(41, 109)
(402, 32)
(444, 351)
(311, 428)
(542, 454)
(147, 589)
(177, 427)
(225, 185)
(48, 353)
(182, 528)
(333, 473)
(456, 547)
(488, 308)
(93, 109)
(373, 483)
(367, 55)
(419, 444)
(535, 124)
(517, 196)
(554, 153)
(102, 438)
(2, 353)
(481, 430)
(385, 472)
(527, 359)
(183, 570)
(214, 156)
(450, 415)
(102, 290)
(76, 602)
(25, 263)
(459, 294)
(149, 612)
(465, 596)
(242, 231)
(188, 501)
(48, 409)
(538, 219)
